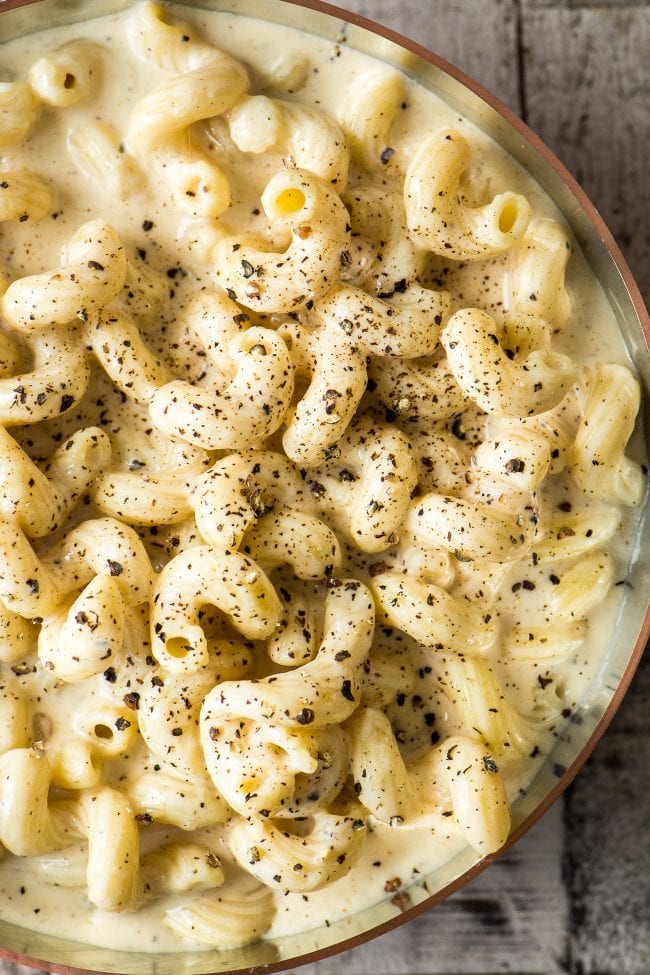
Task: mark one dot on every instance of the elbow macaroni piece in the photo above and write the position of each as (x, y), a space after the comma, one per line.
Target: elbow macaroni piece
(209, 84)
(24, 196)
(18, 110)
(597, 461)
(229, 581)
(366, 114)
(437, 219)
(97, 153)
(65, 76)
(500, 384)
(92, 273)
(540, 260)
(292, 862)
(229, 920)
(307, 138)
(267, 281)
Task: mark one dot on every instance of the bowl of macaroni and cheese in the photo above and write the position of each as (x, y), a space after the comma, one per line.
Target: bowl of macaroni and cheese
(322, 482)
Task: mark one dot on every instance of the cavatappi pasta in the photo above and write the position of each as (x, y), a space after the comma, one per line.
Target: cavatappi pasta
(314, 481)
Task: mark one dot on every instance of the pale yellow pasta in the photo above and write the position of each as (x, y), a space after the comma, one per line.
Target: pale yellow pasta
(41, 501)
(597, 461)
(92, 273)
(104, 547)
(15, 717)
(382, 783)
(366, 114)
(583, 586)
(189, 804)
(292, 861)
(113, 875)
(471, 531)
(210, 82)
(437, 219)
(76, 764)
(306, 137)
(263, 279)
(65, 76)
(368, 502)
(168, 713)
(484, 709)
(478, 795)
(179, 867)
(18, 110)
(58, 380)
(567, 536)
(405, 324)
(337, 374)
(421, 389)
(24, 196)
(118, 347)
(229, 920)
(16, 635)
(378, 216)
(110, 729)
(538, 278)
(552, 642)
(229, 581)
(272, 746)
(250, 408)
(293, 538)
(30, 824)
(98, 154)
(84, 632)
(517, 386)
(242, 487)
(431, 615)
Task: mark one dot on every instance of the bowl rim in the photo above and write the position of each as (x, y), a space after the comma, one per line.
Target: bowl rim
(597, 222)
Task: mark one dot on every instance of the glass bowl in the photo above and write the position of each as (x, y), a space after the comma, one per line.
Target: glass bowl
(590, 720)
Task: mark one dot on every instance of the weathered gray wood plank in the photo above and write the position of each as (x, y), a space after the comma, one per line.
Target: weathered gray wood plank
(608, 852)
(458, 30)
(588, 96)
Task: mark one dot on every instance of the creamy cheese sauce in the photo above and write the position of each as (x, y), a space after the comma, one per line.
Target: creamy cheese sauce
(159, 243)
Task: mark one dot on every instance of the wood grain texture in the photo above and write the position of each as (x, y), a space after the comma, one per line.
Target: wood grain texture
(588, 96)
(449, 28)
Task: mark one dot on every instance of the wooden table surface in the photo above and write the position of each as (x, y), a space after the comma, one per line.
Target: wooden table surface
(574, 895)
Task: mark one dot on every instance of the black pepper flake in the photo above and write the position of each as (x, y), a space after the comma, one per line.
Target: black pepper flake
(122, 724)
(110, 675)
(66, 403)
(306, 716)
(346, 690)
(489, 764)
(377, 569)
(544, 681)
(147, 225)
(515, 466)
(177, 732)
(95, 266)
(214, 734)
(342, 655)
(386, 155)
(554, 580)
(34, 587)
(115, 568)
(145, 818)
(247, 269)
(132, 700)
(559, 770)
(527, 584)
